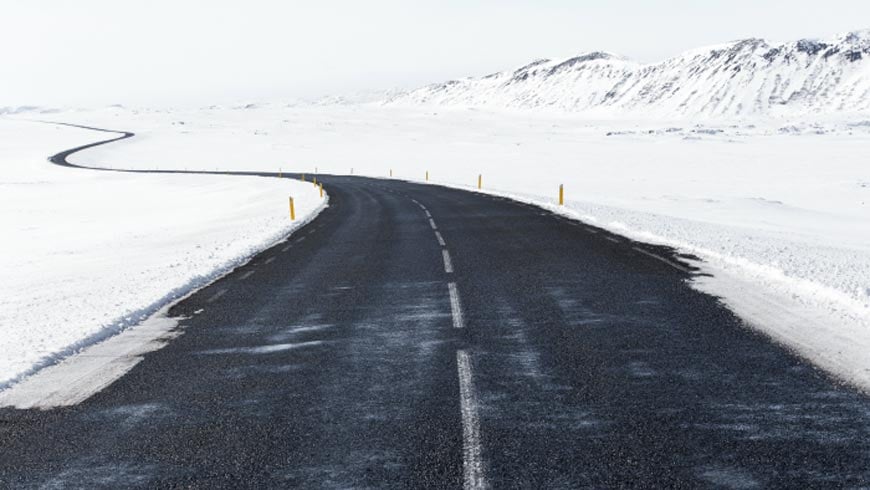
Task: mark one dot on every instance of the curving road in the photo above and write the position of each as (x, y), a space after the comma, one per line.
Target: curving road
(415, 336)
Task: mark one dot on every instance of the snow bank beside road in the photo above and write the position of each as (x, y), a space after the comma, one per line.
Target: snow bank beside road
(86, 253)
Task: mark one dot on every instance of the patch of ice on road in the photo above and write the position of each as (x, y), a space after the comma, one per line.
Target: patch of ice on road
(293, 332)
(730, 478)
(262, 349)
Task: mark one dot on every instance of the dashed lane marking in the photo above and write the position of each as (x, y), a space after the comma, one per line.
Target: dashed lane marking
(448, 264)
(455, 306)
(472, 462)
(246, 275)
(216, 295)
(440, 238)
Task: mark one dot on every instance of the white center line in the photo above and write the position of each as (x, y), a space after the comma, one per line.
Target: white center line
(448, 264)
(216, 296)
(286, 248)
(432, 224)
(472, 462)
(455, 306)
(269, 260)
(428, 214)
(300, 239)
(614, 240)
(246, 275)
(590, 230)
(440, 238)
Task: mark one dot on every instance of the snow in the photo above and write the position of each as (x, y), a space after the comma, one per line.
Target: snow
(775, 207)
(741, 78)
(77, 377)
(87, 253)
(779, 218)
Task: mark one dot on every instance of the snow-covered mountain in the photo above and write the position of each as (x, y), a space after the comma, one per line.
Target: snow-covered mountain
(741, 78)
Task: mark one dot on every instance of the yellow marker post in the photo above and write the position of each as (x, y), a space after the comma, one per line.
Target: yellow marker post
(391, 172)
(561, 195)
(314, 181)
(303, 177)
(292, 210)
(480, 181)
(321, 190)
(427, 176)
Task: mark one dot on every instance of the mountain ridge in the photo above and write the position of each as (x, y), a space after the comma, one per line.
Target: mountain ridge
(740, 78)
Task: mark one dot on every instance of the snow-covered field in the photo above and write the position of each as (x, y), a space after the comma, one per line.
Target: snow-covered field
(777, 209)
(86, 253)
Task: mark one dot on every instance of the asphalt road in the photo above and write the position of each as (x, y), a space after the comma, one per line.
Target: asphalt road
(415, 336)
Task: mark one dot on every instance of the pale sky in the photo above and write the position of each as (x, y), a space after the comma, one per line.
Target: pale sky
(199, 52)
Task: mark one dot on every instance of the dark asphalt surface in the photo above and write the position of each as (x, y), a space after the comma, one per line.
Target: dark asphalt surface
(335, 365)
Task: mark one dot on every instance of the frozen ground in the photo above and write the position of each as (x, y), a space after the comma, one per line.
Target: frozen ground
(85, 253)
(777, 209)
